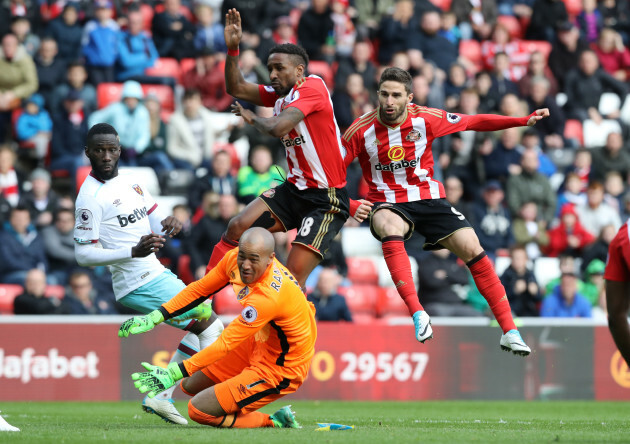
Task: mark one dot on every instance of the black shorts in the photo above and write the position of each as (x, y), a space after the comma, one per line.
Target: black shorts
(318, 214)
(435, 219)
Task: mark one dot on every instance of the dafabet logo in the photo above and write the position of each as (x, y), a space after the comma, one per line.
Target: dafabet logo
(619, 370)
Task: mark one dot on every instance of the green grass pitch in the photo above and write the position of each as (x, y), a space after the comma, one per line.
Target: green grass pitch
(396, 422)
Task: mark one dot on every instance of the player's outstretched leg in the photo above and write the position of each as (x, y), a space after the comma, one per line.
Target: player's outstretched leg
(512, 341)
(422, 324)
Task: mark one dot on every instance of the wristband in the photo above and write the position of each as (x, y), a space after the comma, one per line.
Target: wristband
(233, 52)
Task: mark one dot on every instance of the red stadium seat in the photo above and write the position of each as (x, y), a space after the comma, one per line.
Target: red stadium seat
(55, 291)
(531, 46)
(444, 5)
(8, 293)
(164, 94)
(186, 65)
(361, 299)
(165, 67)
(107, 93)
(147, 16)
(512, 24)
(574, 7)
(573, 130)
(82, 173)
(323, 70)
(390, 303)
(225, 302)
(183, 269)
(231, 149)
(362, 270)
(471, 50)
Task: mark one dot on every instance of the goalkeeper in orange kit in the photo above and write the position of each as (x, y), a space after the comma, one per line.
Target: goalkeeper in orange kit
(263, 355)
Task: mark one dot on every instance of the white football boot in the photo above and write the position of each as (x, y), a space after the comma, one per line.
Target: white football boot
(164, 408)
(512, 341)
(422, 323)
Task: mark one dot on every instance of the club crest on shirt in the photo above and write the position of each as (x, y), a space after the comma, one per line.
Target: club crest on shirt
(376, 142)
(250, 314)
(269, 89)
(241, 294)
(413, 135)
(453, 118)
(269, 193)
(396, 153)
(85, 216)
(137, 189)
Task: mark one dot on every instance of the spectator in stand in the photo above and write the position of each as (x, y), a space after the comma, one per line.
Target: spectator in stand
(616, 15)
(565, 51)
(611, 157)
(252, 21)
(10, 181)
(582, 166)
(612, 54)
(131, 118)
(435, 97)
(10, 9)
(351, 103)
(500, 74)
(191, 133)
(218, 210)
(434, 46)
(155, 155)
(370, 14)
(67, 32)
(570, 236)
(438, 273)
(537, 67)
(453, 86)
(566, 264)
(82, 299)
(595, 214)
(546, 14)
(259, 176)
(501, 160)
(219, 180)
(21, 27)
(20, 241)
(530, 141)
(178, 245)
(136, 53)
(344, 32)
(599, 248)
(573, 192)
(76, 76)
(594, 286)
(359, 63)
(552, 130)
(329, 304)
(59, 246)
(17, 82)
(41, 201)
(34, 301)
(531, 186)
(51, 70)
(584, 87)
(70, 128)
(454, 189)
(488, 99)
(34, 126)
(100, 43)
(394, 30)
(502, 42)
(529, 231)
(282, 32)
(566, 301)
(173, 33)
(590, 21)
(475, 18)
(207, 77)
(315, 31)
(520, 284)
(449, 28)
(492, 221)
(614, 190)
(209, 33)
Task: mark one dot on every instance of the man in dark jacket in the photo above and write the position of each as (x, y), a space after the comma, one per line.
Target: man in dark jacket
(315, 27)
(34, 301)
(69, 132)
(329, 304)
(67, 32)
(520, 284)
(173, 34)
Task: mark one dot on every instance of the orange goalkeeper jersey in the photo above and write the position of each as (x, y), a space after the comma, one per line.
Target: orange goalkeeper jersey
(275, 310)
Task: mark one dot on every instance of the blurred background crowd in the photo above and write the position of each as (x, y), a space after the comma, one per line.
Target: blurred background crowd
(545, 201)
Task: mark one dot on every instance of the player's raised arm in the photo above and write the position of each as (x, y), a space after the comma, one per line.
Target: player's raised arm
(235, 83)
(276, 126)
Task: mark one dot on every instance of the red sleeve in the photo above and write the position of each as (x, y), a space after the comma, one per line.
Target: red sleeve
(309, 97)
(354, 206)
(268, 95)
(349, 147)
(451, 123)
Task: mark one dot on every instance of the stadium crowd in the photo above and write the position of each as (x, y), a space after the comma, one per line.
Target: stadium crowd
(154, 70)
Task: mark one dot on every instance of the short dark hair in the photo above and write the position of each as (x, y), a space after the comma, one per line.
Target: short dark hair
(190, 92)
(100, 128)
(394, 74)
(297, 52)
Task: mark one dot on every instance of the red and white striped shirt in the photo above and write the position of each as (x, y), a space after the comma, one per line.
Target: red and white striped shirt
(397, 162)
(314, 151)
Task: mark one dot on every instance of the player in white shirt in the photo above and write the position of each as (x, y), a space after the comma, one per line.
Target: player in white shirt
(118, 224)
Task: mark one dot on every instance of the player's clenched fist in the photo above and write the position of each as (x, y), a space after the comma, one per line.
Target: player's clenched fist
(140, 324)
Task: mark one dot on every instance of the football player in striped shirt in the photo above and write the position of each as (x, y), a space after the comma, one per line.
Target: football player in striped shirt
(393, 145)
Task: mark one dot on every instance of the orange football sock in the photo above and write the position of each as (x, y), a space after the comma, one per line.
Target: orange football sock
(250, 420)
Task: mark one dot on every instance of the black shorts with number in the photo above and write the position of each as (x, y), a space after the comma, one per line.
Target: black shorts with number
(318, 214)
(435, 219)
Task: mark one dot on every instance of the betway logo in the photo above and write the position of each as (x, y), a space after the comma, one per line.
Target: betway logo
(397, 165)
(138, 213)
(29, 366)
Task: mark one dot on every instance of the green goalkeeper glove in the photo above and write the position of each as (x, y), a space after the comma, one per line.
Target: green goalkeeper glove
(157, 379)
(201, 312)
(140, 324)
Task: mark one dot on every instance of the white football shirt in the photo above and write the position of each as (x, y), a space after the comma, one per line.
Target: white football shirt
(115, 213)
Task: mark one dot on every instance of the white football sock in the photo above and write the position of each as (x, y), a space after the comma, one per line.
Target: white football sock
(210, 334)
(188, 346)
